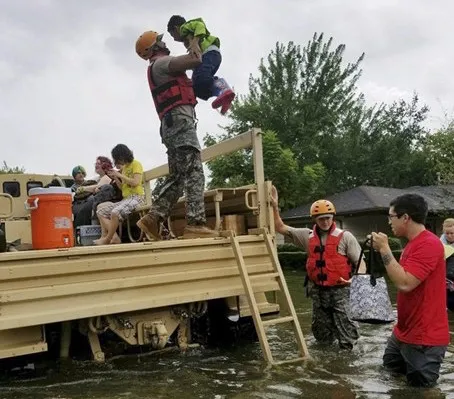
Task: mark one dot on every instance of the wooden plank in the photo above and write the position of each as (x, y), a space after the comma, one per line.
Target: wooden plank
(51, 291)
(256, 264)
(21, 341)
(239, 142)
(259, 174)
(91, 264)
(37, 347)
(8, 257)
(21, 314)
(278, 320)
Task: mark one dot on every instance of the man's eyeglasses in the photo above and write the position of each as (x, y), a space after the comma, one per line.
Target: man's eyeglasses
(391, 217)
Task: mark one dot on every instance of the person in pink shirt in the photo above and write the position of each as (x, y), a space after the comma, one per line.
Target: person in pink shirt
(420, 338)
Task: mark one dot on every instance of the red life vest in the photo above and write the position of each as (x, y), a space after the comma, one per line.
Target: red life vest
(171, 94)
(325, 266)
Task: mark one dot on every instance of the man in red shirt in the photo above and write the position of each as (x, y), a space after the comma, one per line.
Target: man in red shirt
(419, 340)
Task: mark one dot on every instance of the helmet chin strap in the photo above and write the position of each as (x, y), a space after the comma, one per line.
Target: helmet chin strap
(161, 46)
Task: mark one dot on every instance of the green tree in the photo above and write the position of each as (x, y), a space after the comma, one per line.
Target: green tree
(7, 169)
(379, 146)
(395, 139)
(309, 99)
(303, 95)
(438, 151)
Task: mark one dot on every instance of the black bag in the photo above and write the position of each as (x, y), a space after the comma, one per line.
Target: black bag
(369, 297)
(450, 268)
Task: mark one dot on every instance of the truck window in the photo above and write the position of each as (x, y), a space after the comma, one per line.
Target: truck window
(12, 188)
(33, 184)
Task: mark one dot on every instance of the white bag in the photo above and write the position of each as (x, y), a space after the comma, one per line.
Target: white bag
(369, 297)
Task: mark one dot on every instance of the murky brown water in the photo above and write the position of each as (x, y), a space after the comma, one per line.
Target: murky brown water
(239, 373)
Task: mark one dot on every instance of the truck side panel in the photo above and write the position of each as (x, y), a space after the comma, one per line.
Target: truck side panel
(40, 287)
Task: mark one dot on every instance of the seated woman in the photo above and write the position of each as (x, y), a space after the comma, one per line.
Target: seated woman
(129, 179)
(79, 176)
(80, 197)
(83, 212)
(102, 166)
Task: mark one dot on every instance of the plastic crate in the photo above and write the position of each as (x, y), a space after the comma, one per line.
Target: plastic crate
(85, 235)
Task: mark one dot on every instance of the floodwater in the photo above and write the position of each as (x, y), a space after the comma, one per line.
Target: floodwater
(238, 372)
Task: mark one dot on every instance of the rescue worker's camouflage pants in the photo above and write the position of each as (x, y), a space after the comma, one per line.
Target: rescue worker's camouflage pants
(186, 172)
(331, 316)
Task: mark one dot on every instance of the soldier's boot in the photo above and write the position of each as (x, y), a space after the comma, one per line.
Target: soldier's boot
(199, 231)
(224, 95)
(150, 224)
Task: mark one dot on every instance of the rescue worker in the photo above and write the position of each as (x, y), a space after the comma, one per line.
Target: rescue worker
(332, 252)
(198, 40)
(174, 100)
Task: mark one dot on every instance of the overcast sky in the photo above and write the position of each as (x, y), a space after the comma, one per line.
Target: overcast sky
(72, 85)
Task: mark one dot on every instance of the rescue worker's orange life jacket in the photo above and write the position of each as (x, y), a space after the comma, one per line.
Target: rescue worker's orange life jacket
(171, 94)
(325, 266)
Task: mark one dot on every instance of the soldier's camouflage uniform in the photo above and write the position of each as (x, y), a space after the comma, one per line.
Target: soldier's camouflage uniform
(330, 316)
(179, 135)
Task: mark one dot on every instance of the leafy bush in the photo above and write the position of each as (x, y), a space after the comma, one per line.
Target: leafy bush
(289, 247)
(295, 260)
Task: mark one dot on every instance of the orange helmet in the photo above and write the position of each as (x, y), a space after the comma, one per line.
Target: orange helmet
(322, 207)
(145, 42)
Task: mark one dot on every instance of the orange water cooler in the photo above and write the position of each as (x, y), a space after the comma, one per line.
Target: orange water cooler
(51, 217)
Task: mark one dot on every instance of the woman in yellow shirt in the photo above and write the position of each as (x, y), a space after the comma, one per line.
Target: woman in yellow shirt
(129, 179)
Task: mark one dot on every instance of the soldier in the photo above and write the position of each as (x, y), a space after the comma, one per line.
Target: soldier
(331, 254)
(174, 100)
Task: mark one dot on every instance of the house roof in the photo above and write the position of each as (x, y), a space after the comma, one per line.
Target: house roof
(369, 198)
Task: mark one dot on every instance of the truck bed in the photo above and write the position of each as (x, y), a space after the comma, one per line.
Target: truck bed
(46, 286)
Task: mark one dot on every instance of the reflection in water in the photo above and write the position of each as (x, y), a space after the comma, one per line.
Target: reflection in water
(239, 372)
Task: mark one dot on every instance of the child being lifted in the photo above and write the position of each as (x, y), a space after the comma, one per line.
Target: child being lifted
(198, 40)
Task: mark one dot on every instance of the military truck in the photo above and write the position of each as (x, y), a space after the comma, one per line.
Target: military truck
(146, 294)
